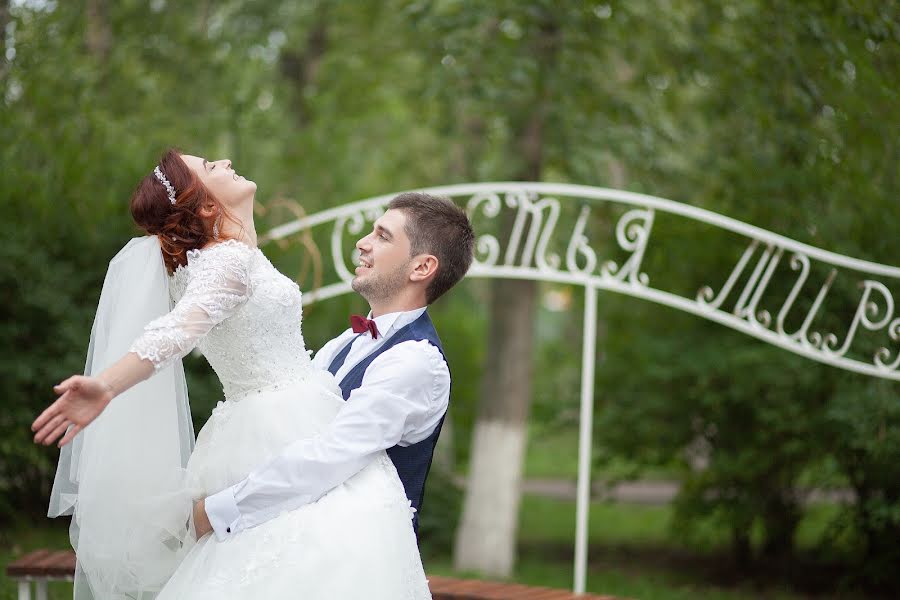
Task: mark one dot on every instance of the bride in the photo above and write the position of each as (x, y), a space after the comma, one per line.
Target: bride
(130, 481)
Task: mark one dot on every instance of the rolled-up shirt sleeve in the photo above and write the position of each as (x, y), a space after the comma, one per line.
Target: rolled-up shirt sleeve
(403, 395)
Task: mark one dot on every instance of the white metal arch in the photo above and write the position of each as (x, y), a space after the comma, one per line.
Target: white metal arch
(527, 255)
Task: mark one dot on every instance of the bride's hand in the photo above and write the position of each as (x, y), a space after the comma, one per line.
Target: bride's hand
(81, 400)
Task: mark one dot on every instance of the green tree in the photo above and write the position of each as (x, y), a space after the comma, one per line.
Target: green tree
(796, 133)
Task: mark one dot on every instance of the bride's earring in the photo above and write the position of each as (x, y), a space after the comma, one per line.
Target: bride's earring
(216, 227)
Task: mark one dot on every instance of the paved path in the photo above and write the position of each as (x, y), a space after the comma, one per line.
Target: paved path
(648, 492)
(632, 492)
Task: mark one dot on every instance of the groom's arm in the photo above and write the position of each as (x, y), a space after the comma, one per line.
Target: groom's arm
(403, 395)
(222, 513)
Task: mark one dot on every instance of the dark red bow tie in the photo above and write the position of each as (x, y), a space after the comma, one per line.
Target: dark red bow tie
(360, 324)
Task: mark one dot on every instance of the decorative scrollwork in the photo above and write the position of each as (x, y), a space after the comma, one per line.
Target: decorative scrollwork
(535, 212)
(544, 261)
(354, 224)
(632, 235)
(798, 261)
(491, 203)
(707, 298)
(861, 317)
(489, 246)
(539, 232)
(814, 339)
(883, 355)
(756, 317)
(578, 244)
(486, 245)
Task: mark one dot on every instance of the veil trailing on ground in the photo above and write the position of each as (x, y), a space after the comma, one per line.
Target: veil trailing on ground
(123, 479)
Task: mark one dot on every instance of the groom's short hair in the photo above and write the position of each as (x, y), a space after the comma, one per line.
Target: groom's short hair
(435, 225)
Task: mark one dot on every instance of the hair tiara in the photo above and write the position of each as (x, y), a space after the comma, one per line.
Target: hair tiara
(162, 179)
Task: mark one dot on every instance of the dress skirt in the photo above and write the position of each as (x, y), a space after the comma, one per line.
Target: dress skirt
(356, 541)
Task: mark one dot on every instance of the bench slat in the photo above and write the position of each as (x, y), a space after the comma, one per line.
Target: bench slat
(449, 588)
(43, 563)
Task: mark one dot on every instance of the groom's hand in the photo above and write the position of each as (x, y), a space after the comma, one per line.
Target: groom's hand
(202, 526)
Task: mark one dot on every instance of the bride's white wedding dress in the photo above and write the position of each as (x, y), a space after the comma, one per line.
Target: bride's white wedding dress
(357, 541)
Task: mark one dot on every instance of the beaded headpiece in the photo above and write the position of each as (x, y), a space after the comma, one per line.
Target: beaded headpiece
(162, 179)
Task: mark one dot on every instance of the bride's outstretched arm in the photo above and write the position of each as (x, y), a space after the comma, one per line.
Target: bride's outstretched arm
(218, 286)
(83, 398)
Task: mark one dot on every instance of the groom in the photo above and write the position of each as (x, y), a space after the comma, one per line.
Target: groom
(392, 372)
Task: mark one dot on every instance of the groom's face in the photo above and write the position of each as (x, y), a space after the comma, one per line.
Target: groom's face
(384, 262)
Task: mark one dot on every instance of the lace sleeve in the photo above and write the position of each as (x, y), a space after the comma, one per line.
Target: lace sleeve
(218, 284)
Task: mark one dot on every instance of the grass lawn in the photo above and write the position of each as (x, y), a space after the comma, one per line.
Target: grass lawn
(547, 520)
(633, 554)
(552, 453)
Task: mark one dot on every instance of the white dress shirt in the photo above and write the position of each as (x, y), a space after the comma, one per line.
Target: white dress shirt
(404, 393)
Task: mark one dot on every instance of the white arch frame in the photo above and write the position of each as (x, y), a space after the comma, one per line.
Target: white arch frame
(538, 206)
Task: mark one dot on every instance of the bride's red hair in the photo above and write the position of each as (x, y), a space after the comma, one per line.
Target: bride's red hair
(179, 227)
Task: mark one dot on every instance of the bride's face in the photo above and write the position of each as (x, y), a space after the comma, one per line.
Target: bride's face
(226, 185)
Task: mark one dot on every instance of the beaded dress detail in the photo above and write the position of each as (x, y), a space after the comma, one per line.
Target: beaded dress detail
(226, 297)
(357, 540)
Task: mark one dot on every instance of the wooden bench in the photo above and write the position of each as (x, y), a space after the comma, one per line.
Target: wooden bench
(449, 588)
(42, 566)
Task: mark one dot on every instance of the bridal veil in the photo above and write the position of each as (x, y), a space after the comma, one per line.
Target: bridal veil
(123, 479)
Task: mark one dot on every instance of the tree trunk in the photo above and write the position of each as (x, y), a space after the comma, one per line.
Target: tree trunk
(4, 21)
(444, 453)
(300, 67)
(98, 35)
(781, 516)
(486, 539)
(487, 534)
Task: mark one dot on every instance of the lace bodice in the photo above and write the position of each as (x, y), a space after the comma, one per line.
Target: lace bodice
(243, 314)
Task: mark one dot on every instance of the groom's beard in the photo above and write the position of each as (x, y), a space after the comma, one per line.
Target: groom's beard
(379, 288)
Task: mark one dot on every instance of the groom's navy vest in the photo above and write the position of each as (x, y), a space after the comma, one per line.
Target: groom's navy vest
(413, 461)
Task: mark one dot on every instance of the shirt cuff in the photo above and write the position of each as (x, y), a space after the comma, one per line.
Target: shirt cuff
(223, 513)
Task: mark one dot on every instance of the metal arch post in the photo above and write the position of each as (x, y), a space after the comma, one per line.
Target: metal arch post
(584, 437)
